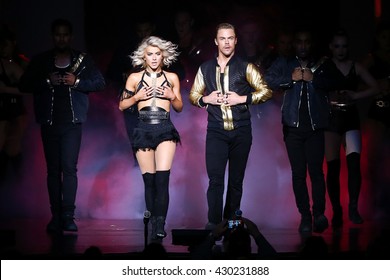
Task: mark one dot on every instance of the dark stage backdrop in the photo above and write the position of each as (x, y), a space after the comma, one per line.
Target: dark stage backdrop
(110, 186)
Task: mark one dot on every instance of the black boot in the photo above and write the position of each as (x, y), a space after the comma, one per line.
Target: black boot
(320, 223)
(354, 215)
(153, 222)
(354, 184)
(150, 190)
(161, 201)
(333, 188)
(54, 226)
(160, 223)
(68, 223)
(306, 224)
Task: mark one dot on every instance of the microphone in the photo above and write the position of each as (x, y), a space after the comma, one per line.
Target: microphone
(147, 215)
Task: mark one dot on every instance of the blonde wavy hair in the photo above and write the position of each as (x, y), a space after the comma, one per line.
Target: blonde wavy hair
(169, 51)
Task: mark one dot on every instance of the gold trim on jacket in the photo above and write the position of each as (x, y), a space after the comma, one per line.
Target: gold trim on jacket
(262, 92)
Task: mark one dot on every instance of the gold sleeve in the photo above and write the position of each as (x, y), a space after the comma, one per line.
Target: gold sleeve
(197, 89)
(262, 92)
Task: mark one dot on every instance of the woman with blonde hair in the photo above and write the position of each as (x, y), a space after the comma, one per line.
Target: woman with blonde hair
(153, 90)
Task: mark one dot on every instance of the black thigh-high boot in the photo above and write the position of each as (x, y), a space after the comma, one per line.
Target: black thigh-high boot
(333, 187)
(354, 184)
(150, 191)
(150, 195)
(161, 201)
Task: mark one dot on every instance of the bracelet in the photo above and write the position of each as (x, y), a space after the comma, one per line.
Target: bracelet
(201, 103)
(126, 94)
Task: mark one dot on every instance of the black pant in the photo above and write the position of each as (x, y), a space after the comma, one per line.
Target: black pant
(223, 146)
(61, 144)
(305, 150)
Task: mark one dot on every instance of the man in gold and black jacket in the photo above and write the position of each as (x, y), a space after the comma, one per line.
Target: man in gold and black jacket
(226, 86)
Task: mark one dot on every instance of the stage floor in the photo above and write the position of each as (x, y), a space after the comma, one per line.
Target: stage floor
(27, 239)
